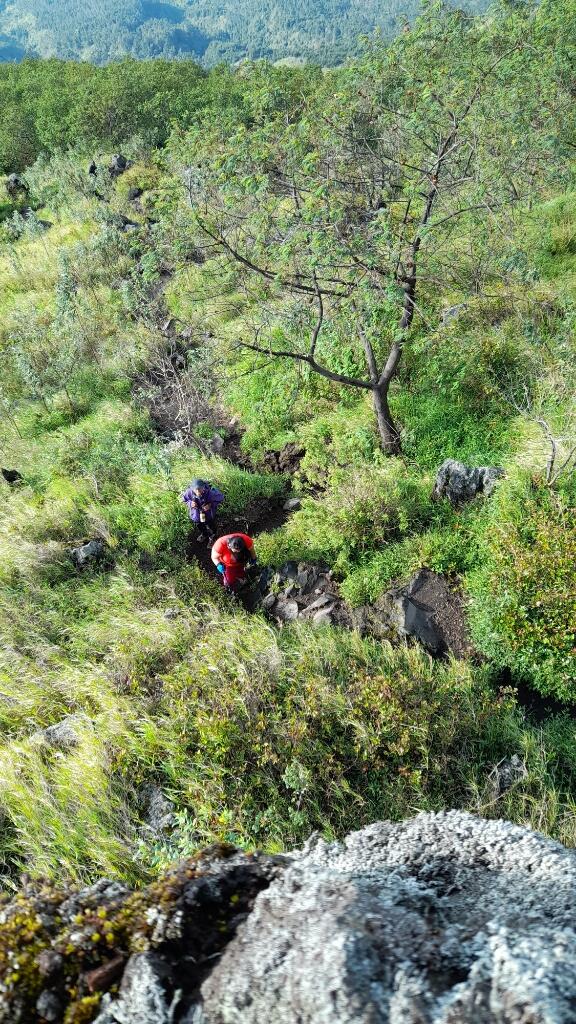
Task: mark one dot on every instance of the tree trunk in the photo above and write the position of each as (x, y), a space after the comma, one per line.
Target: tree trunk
(387, 429)
(389, 434)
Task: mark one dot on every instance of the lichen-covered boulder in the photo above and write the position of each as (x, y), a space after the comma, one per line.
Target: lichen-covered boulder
(443, 919)
(460, 483)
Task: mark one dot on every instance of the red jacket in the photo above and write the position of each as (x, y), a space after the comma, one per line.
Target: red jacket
(221, 552)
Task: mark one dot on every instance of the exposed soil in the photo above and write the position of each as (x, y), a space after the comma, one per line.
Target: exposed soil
(447, 606)
(232, 451)
(287, 460)
(537, 707)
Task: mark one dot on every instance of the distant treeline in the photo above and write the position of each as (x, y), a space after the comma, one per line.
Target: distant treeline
(322, 31)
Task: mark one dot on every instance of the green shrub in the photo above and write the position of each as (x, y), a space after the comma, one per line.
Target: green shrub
(524, 600)
(359, 511)
(326, 732)
(450, 549)
(139, 176)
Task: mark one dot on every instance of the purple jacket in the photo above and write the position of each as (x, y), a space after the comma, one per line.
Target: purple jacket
(210, 496)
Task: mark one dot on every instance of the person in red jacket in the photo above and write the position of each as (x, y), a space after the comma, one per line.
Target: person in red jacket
(233, 555)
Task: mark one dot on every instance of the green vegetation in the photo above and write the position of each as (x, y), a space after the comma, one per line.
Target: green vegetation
(285, 208)
(322, 31)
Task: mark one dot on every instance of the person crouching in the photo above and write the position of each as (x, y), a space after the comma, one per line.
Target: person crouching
(234, 556)
(203, 502)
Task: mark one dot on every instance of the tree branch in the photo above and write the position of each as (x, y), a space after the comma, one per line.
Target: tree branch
(339, 378)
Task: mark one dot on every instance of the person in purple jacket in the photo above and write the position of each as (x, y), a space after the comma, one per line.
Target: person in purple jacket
(203, 502)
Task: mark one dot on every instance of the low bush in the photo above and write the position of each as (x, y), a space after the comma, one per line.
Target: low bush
(283, 737)
(524, 602)
(358, 512)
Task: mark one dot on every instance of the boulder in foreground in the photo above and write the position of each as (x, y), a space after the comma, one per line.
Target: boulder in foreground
(442, 919)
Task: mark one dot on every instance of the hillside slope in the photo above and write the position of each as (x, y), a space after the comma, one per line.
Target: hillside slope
(324, 31)
(145, 714)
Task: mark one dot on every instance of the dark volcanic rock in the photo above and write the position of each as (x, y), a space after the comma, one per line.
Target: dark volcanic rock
(309, 592)
(460, 483)
(427, 609)
(88, 553)
(11, 476)
(118, 165)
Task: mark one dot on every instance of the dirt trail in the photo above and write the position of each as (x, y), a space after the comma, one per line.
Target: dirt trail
(261, 515)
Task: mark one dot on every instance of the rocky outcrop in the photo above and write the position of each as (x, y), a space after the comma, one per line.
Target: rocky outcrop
(427, 609)
(307, 592)
(442, 919)
(88, 554)
(460, 483)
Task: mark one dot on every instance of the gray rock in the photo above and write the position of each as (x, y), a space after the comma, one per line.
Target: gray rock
(49, 1006)
(460, 483)
(105, 892)
(92, 551)
(118, 165)
(286, 611)
(323, 617)
(426, 609)
(64, 735)
(452, 313)
(49, 963)
(419, 623)
(303, 581)
(142, 998)
(320, 602)
(506, 774)
(158, 810)
(269, 602)
(217, 444)
(443, 919)
(292, 505)
(16, 186)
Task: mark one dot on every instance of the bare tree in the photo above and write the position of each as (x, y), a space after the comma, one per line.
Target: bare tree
(557, 426)
(350, 202)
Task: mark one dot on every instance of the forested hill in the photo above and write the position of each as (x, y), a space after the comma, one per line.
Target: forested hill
(324, 31)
